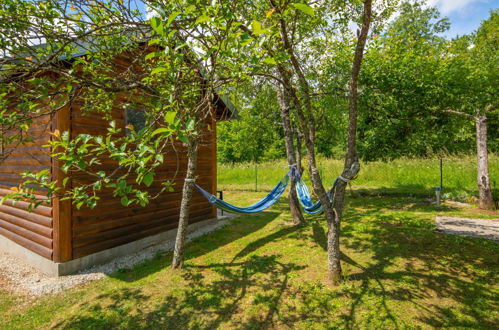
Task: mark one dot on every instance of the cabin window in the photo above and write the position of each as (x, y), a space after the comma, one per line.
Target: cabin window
(136, 118)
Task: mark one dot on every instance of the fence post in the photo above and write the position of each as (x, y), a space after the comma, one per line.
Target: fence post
(256, 176)
(441, 173)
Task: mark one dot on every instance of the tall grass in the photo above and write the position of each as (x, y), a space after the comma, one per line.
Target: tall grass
(402, 176)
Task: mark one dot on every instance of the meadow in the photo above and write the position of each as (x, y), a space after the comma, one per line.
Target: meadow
(262, 271)
(408, 177)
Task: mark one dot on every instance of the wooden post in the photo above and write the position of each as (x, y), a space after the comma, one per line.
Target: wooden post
(61, 210)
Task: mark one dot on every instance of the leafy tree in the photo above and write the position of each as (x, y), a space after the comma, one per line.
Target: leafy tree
(473, 68)
(404, 84)
(282, 34)
(171, 83)
(255, 135)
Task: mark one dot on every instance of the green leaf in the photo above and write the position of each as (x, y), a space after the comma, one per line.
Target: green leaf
(183, 138)
(257, 28)
(172, 17)
(304, 8)
(170, 117)
(148, 178)
(203, 18)
(190, 124)
(154, 42)
(152, 55)
(269, 60)
(161, 131)
(124, 201)
(157, 25)
(159, 70)
(189, 9)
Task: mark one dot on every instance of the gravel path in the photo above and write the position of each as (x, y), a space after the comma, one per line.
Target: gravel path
(482, 228)
(19, 277)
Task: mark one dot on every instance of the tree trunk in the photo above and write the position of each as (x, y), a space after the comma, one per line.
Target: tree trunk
(302, 102)
(485, 200)
(352, 166)
(306, 117)
(284, 106)
(299, 151)
(187, 190)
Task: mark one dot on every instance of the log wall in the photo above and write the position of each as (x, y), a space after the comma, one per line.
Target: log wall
(110, 224)
(32, 230)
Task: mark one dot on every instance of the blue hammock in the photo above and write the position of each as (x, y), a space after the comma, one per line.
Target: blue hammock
(265, 203)
(305, 199)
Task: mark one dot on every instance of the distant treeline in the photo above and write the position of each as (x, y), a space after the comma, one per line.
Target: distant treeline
(413, 83)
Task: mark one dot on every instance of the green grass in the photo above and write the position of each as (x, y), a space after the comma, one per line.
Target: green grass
(399, 177)
(260, 271)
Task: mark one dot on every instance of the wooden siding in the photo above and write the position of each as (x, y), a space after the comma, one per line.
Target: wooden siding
(32, 230)
(61, 232)
(110, 224)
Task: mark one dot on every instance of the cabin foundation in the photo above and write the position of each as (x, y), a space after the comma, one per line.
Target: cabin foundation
(74, 266)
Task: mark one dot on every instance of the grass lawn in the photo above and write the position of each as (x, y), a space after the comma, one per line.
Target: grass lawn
(417, 177)
(261, 271)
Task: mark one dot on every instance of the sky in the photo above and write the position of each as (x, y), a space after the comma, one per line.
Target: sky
(465, 15)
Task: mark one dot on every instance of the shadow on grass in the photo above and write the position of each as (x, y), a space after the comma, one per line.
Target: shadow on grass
(411, 263)
(419, 191)
(238, 227)
(204, 303)
(399, 274)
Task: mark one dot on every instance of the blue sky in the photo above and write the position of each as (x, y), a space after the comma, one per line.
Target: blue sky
(465, 15)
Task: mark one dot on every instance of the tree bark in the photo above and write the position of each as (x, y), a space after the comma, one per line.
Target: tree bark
(301, 99)
(352, 165)
(299, 150)
(485, 199)
(284, 105)
(187, 190)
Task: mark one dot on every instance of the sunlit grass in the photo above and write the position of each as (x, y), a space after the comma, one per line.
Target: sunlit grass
(398, 177)
(261, 271)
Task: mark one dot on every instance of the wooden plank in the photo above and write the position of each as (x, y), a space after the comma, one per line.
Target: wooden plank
(120, 240)
(28, 234)
(63, 249)
(44, 160)
(118, 219)
(30, 216)
(30, 245)
(26, 224)
(42, 210)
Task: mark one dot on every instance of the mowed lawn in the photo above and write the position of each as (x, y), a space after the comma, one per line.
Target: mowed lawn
(261, 271)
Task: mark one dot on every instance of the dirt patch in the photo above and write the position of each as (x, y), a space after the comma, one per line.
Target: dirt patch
(481, 228)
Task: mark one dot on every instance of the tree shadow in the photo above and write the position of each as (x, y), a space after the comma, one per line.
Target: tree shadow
(319, 235)
(412, 263)
(393, 259)
(206, 302)
(237, 228)
(403, 190)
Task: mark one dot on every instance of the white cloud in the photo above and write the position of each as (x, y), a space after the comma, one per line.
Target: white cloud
(448, 6)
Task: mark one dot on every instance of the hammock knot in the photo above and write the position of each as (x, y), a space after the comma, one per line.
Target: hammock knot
(344, 179)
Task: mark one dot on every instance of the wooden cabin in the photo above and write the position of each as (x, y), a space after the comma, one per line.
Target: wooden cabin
(61, 239)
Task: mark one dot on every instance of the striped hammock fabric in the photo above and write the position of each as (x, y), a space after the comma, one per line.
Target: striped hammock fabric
(263, 204)
(305, 198)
